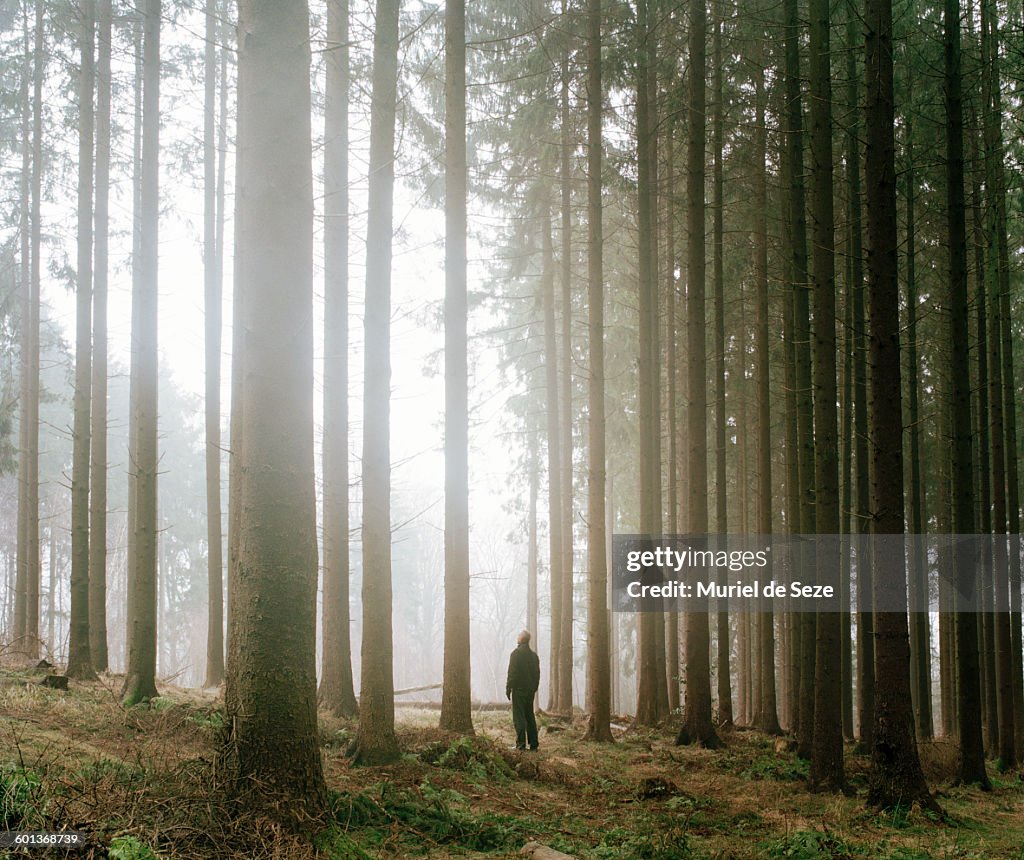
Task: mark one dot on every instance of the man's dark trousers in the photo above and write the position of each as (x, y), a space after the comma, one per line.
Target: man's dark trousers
(523, 719)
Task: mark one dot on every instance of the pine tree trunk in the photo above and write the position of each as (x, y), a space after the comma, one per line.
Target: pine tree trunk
(697, 724)
(28, 569)
(972, 756)
(766, 718)
(826, 772)
(456, 714)
(376, 741)
(725, 711)
(1000, 283)
(554, 448)
(793, 160)
(79, 658)
(896, 777)
(336, 683)
(598, 655)
(920, 636)
(98, 477)
(274, 756)
(565, 651)
(140, 679)
(649, 680)
(212, 343)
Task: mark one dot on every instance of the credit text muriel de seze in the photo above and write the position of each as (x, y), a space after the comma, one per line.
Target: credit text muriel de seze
(666, 558)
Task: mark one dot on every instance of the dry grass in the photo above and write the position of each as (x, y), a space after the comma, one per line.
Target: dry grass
(150, 772)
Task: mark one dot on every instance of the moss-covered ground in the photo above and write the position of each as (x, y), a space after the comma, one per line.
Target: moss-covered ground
(142, 783)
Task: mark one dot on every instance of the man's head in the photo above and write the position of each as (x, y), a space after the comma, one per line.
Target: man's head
(523, 638)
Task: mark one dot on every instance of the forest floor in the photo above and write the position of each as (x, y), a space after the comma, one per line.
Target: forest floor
(141, 782)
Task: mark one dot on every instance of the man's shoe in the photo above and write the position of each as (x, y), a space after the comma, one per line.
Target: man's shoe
(533, 749)
(521, 747)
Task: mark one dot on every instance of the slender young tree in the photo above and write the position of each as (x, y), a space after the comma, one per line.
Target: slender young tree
(697, 724)
(336, 684)
(896, 778)
(140, 679)
(598, 654)
(79, 657)
(270, 697)
(376, 741)
(456, 713)
(212, 292)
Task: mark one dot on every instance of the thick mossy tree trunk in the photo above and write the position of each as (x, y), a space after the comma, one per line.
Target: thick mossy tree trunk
(376, 741)
(270, 699)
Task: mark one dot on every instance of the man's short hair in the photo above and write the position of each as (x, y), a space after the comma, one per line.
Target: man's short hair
(523, 637)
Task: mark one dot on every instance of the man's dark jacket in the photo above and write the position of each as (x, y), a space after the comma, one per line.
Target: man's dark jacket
(523, 671)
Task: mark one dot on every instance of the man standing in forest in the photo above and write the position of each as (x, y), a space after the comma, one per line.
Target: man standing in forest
(521, 687)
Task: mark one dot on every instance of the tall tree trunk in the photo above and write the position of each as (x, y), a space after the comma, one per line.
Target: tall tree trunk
(98, 478)
(376, 741)
(896, 778)
(565, 650)
(671, 412)
(555, 541)
(999, 267)
(725, 712)
(865, 617)
(697, 725)
(531, 525)
(826, 772)
(456, 714)
(650, 680)
(796, 216)
(212, 289)
(140, 679)
(28, 569)
(336, 683)
(920, 637)
(766, 718)
(270, 698)
(972, 754)
(598, 655)
(79, 657)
